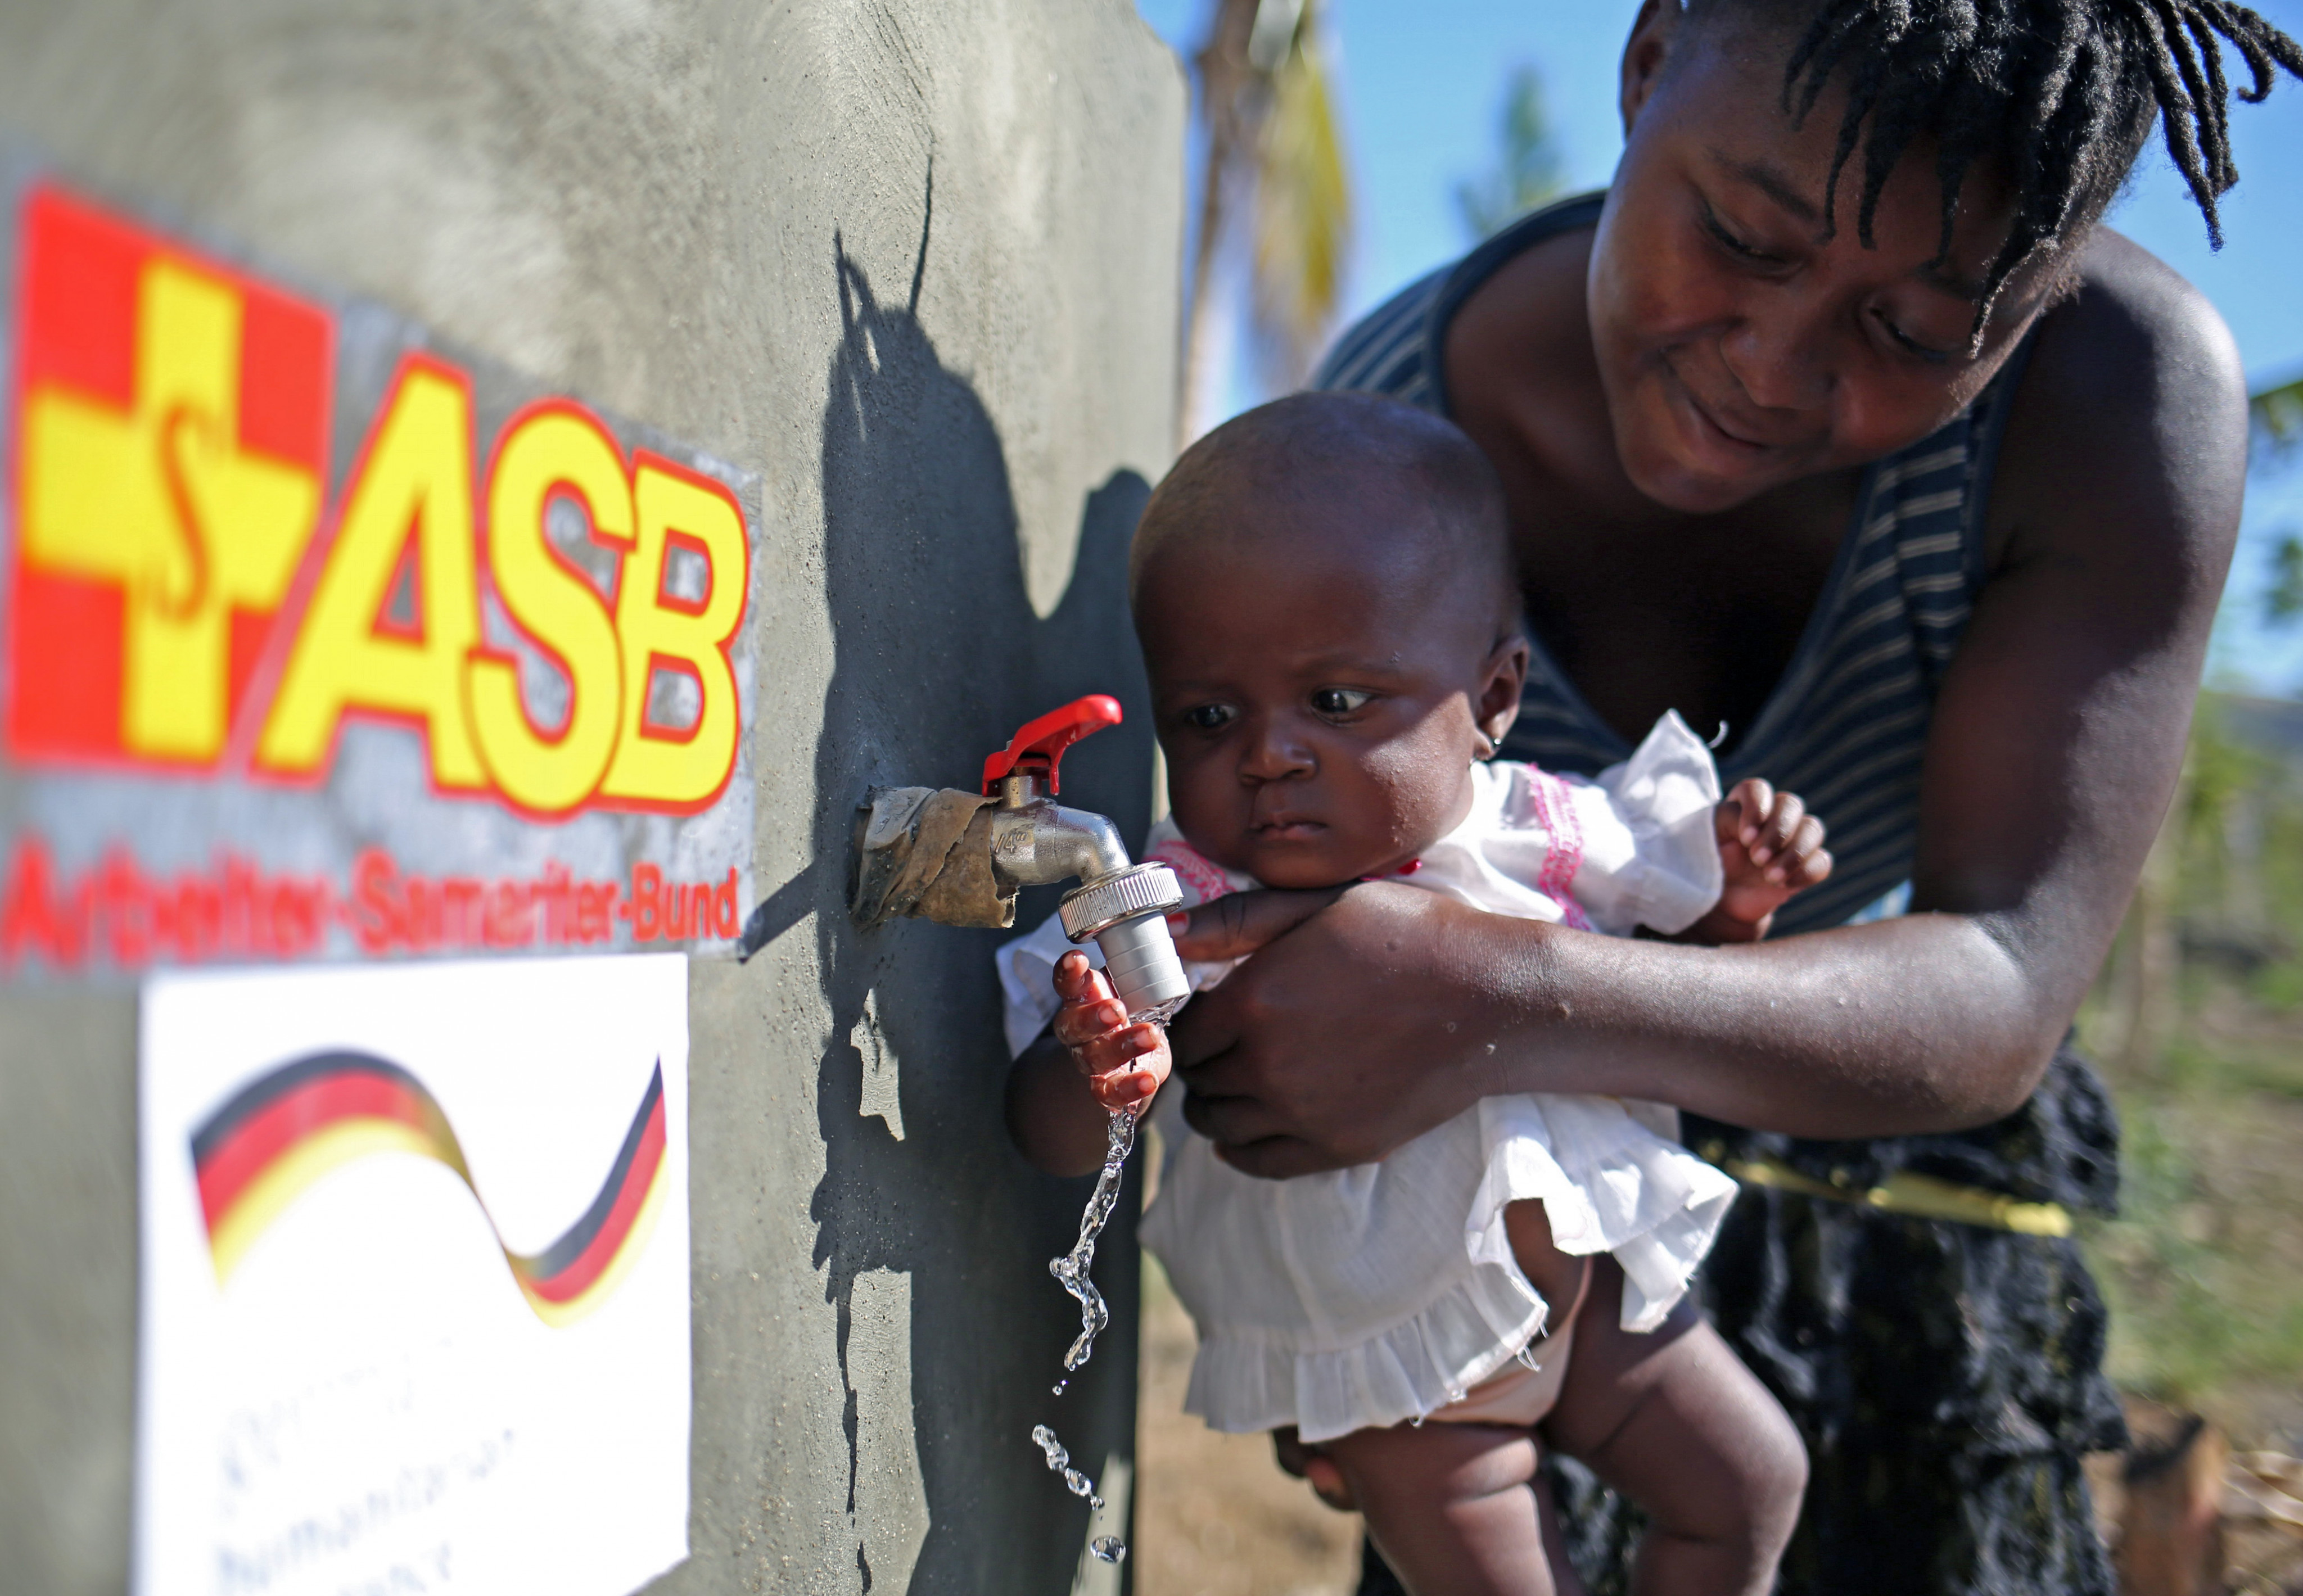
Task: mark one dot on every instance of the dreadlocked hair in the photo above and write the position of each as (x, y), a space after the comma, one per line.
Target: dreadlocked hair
(2059, 94)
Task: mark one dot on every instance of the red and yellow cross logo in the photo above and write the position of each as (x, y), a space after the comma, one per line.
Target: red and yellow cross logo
(172, 426)
(172, 441)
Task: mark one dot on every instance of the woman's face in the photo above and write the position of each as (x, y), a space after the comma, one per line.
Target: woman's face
(1739, 347)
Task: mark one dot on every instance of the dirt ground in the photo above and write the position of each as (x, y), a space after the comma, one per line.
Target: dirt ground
(2204, 1268)
(1214, 1516)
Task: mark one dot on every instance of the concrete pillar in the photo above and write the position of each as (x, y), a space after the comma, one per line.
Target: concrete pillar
(913, 267)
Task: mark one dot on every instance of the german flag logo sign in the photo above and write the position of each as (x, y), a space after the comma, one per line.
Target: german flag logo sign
(293, 1125)
(414, 1287)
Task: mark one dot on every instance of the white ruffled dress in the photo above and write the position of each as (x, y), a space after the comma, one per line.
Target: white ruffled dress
(1380, 1293)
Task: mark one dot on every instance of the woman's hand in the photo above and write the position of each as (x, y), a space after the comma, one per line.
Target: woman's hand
(1354, 1029)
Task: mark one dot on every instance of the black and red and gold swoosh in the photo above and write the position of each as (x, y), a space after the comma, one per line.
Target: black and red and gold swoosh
(257, 1153)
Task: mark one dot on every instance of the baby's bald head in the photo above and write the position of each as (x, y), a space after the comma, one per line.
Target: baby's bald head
(1337, 481)
(1325, 592)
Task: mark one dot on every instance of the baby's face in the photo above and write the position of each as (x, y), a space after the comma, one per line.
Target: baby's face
(1320, 705)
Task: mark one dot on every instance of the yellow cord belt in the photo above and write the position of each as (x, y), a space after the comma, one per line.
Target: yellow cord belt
(1918, 1197)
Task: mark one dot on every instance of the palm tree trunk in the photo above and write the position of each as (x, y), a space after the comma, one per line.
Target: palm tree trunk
(1223, 70)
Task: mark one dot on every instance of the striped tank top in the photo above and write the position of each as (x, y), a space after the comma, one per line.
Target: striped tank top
(1846, 726)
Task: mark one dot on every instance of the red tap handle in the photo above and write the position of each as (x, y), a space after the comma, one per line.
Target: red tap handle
(1039, 745)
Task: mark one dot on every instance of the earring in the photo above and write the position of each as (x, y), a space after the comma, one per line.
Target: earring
(1487, 749)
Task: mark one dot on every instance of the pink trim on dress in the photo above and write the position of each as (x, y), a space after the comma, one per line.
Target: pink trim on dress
(1202, 879)
(1563, 856)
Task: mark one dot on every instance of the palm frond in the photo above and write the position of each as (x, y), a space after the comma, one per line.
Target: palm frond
(1527, 171)
(2277, 413)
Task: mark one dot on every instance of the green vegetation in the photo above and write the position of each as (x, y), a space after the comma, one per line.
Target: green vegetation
(2197, 1021)
(1527, 169)
(2203, 1313)
(2278, 413)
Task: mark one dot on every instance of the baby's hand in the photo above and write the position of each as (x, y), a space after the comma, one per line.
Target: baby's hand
(1769, 847)
(1125, 1064)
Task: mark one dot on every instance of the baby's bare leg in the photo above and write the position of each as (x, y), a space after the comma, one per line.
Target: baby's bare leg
(1456, 1510)
(1677, 1423)
(1460, 1508)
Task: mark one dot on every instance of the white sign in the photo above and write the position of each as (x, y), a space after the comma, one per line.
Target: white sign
(415, 1310)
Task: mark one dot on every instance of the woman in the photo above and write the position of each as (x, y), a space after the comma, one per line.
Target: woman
(1839, 424)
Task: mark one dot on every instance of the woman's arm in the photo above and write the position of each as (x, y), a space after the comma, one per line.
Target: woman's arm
(2054, 746)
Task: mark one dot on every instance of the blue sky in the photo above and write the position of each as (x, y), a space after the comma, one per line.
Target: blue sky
(1422, 84)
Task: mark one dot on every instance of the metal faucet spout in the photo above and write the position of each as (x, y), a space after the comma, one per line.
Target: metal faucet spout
(1121, 905)
(1040, 843)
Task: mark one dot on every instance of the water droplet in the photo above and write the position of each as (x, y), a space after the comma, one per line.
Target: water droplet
(1059, 1462)
(1108, 1548)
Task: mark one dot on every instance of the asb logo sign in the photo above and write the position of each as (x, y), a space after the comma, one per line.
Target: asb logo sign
(259, 537)
(173, 425)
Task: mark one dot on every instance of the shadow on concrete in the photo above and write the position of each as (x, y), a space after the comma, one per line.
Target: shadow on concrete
(939, 656)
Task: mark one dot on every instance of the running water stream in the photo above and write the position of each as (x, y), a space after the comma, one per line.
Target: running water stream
(1071, 1271)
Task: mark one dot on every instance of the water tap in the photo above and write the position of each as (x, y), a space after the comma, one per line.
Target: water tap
(1035, 842)
(959, 857)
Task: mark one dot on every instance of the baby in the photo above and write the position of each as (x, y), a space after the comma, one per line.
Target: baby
(1325, 592)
